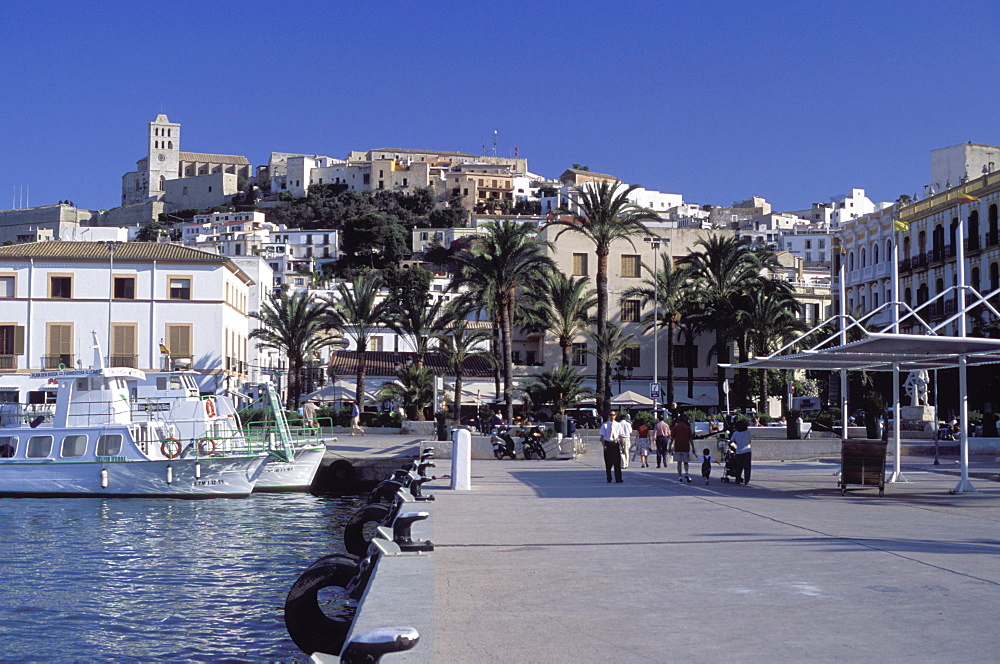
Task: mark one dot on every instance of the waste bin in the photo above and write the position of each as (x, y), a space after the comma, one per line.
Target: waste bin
(862, 462)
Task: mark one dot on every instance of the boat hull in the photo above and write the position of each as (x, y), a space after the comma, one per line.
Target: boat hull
(294, 475)
(211, 477)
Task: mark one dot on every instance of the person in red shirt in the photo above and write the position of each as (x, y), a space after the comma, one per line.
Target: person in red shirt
(683, 440)
(642, 443)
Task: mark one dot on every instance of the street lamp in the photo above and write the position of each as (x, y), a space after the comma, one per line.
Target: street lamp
(621, 369)
(654, 244)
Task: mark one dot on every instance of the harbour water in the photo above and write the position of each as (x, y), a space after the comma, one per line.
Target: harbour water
(139, 580)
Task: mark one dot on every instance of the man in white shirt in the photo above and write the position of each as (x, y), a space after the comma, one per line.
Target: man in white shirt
(610, 432)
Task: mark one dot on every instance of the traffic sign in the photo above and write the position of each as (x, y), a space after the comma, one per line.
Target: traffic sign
(654, 390)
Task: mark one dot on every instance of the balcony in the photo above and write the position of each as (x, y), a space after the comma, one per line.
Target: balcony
(124, 361)
(8, 362)
(64, 361)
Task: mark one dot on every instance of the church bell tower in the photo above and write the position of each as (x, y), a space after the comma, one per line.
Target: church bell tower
(164, 154)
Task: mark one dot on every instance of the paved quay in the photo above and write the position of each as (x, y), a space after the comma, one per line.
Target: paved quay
(543, 561)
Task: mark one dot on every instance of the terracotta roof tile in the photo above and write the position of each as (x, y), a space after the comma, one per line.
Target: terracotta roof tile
(384, 363)
(100, 251)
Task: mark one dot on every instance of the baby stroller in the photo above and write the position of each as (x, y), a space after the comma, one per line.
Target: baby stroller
(730, 470)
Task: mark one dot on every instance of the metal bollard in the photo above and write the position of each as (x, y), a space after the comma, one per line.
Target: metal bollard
(369, 647)
(401, 528)
(423, 465)
(415, 488)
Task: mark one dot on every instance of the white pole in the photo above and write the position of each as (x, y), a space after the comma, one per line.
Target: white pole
(655, 244)
(843, 340)
(897, 473)
(964, 485)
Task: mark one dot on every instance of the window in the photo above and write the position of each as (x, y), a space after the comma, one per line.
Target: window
(375, 344)
(61, 287)
(179, 340)
(630, 311)
(74, 446)
(8, 446)
(124, 288)
(579, 354)
(686, 356)
(579, 265)
(123, 345)
(11, 345)
(109, 445)
(180, 288)
(39, 446)
(6, 286)
(59, 345)
(631, 357)
(631, 265)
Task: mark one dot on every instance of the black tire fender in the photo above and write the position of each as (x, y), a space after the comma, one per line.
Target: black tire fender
(384, 492)
(354, 532)
(307, 625)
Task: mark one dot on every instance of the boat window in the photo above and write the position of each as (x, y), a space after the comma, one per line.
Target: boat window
(39, 446)
(8, 446)
(175, 383)
(74, 446)
(82, 384)
(109, 445)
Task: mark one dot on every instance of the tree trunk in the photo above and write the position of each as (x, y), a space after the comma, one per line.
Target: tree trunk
(670, 360)
(294, 382)
(762, 404)
(603, 366)
(723, 353)
(497, 352)
(458, 396)
(359, 388)
(506, 336)
(565, 352)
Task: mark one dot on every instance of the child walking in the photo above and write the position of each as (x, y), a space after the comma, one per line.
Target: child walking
(706, 463)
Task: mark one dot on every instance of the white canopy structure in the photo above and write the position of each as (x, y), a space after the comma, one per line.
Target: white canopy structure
(888, 350)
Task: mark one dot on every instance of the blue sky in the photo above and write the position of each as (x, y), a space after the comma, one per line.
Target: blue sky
(793, 101)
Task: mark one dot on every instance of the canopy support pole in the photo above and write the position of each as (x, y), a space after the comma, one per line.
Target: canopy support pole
(964, 485)
(897, 473)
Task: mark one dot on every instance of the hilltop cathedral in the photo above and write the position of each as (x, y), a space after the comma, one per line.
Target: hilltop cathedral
(181, 179)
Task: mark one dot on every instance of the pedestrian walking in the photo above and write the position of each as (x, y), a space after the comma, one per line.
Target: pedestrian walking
(356, 419)
(642, 445)
(742, 439)
(662, 433)
(309, 414)
(612, 446)
(706, 463)
(625, 437)
(683, 446)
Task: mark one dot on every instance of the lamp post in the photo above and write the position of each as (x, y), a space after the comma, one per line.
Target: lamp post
(620, 370)
(111, 296)
(654, 244)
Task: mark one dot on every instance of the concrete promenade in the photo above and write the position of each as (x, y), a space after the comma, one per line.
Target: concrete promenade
(543, 561)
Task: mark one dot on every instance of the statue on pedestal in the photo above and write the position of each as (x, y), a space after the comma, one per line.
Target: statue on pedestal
(916, 388)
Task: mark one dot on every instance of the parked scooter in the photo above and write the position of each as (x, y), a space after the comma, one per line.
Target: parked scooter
(532, 442)
(503, 444)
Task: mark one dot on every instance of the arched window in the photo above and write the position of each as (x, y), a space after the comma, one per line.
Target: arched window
(168, 132)
(864, 257)
(170, 145)
(973, 231)
(994, 276)
(974, 278)
(993, 225)
(163, 183)
(906, 247)
(907, 294)
(875, 254)
(850, 262)
(922, 242)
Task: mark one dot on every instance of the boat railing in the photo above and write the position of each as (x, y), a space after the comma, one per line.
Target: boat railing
(23, 414)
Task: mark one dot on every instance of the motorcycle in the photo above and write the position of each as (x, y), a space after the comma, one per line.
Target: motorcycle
(503, 444)
(532, 442)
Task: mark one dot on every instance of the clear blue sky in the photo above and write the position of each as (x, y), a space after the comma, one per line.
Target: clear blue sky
(793, 101)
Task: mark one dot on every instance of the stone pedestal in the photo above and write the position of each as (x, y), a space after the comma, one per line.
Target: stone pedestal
(917, 418)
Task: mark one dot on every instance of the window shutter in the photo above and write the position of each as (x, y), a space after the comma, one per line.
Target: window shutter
(19, 340)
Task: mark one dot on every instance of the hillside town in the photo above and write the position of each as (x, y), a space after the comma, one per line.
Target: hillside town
(440, 280)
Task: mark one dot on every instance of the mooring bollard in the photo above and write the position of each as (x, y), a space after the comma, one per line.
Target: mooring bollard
(461, 459)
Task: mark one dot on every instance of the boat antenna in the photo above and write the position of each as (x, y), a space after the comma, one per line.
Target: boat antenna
(98, 356)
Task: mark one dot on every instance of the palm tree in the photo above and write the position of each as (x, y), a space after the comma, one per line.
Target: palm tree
(723, 269)
(507, 259)
(670, 290)
(606, 214)
(768, 318)
(564, 310)
(561, 387)
(294, 324)
(459, 342)
(417, 320)
(413, 387)
(355, 310)
(610, 344)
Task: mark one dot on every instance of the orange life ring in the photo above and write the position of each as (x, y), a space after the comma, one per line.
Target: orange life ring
(210, 407)
(167, 446)
(206, 447)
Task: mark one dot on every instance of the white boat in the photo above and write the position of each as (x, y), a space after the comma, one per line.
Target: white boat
(213, 423)
(89, 443)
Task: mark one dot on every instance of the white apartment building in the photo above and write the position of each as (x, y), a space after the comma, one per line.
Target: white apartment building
(135, 296)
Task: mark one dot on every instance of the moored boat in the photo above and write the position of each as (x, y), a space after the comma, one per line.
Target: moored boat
(89, 443)
(213, 422)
